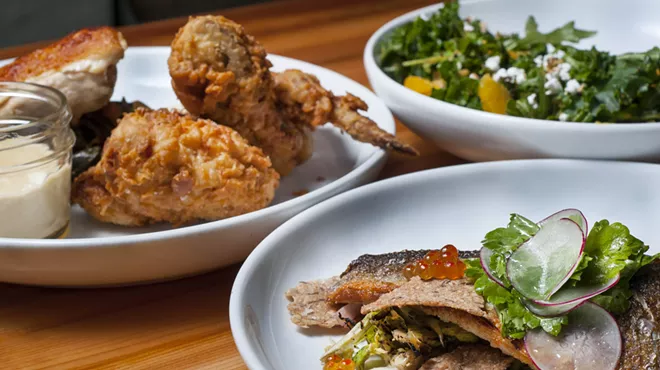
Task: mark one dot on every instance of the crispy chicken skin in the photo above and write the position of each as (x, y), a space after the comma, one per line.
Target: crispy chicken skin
(303, 100)
(82, 66)
(220, 72)
(165, 165)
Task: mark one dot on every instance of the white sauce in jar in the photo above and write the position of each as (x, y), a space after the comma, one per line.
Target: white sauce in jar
(34, 202)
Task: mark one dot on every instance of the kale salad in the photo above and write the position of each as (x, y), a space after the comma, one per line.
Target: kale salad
(538, 75)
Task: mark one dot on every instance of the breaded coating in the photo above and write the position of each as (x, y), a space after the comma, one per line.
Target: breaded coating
(167, 166)
(220, 72)
(82, 66)
(304, 101)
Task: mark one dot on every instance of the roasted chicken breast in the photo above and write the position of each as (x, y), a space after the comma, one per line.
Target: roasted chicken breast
(81, 65)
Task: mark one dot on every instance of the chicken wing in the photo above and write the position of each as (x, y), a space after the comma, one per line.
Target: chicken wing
(304, 101)
(165, 165)
(220, 72)
(81, 65)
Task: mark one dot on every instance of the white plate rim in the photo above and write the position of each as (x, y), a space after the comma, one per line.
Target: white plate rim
(312, 197)
(481, 117)
(237, 311)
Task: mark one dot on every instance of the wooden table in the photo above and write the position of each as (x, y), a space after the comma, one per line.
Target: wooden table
(185, 324)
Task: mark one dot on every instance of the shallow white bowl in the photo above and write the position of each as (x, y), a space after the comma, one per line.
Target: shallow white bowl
(103, 254)
(622, 26)
(424, 210)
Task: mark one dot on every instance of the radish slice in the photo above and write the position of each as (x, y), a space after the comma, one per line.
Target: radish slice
(592, 340)
(572, 214)
(547, 260)
(551, 311)
(485, 256)
(568, 298)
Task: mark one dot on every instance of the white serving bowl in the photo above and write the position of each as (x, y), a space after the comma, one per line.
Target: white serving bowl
(622, 26)
(423, 210)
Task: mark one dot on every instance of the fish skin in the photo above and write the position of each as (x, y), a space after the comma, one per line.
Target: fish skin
(640, 326)
(372, 275)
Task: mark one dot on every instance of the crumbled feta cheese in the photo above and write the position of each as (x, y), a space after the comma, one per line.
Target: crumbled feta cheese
(563, 117)
(573, 87)
(550, 47)
(493, 63)
(538, 61)
(500, 74)
(564, 71)
(531, 99)
(459, 65)
(474, 76)
(517, 74)
(552, 85)
(554, 57)
(467, 27)
(513, 74)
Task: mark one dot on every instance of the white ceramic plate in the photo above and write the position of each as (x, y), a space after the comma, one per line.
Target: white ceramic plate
(622, 26)
(102, 254)
(424, 210)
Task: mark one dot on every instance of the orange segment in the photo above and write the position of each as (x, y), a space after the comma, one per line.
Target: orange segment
(419, 84)
(494, 96)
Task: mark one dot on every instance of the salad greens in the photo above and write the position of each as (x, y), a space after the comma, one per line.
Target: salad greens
(610, 250)
(400, 336)
(539, 75)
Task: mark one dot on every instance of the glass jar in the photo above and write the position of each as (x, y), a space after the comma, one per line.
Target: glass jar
(36, 144)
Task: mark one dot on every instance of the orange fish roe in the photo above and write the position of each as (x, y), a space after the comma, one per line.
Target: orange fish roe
(442, 264)
(336, 362)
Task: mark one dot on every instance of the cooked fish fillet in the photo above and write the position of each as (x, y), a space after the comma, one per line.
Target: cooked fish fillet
(470, 357)
(377, 281)
(640, 326)
(82, 66)
(370, 276)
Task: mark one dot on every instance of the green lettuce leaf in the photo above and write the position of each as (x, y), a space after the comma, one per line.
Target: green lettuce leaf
(566, 33)
(516, 319)
(612, 249)
(505, 240)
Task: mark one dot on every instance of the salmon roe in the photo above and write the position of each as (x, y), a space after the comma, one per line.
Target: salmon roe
(437, 264)
(336, 362)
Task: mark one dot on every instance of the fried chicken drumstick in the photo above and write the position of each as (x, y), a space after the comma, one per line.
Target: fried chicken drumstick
(220, 72)
(168, 166)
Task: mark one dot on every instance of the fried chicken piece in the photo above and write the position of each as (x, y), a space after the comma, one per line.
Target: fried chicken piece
(165, 165)
(82, 66)
(220, 72)
(304, 101)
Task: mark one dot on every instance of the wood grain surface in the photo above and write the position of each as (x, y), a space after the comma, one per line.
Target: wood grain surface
(185, 324)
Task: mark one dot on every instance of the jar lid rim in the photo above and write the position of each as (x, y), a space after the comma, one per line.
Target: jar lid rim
(60, 116)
